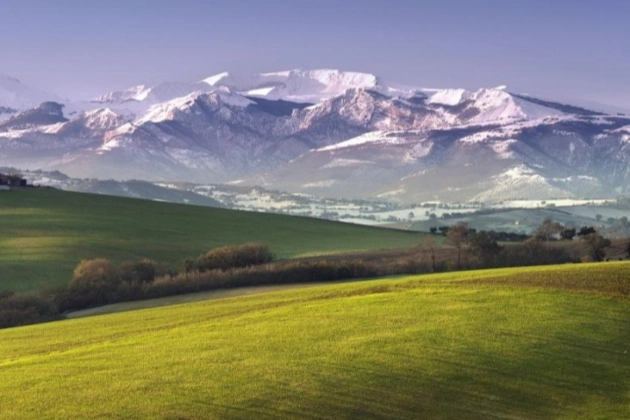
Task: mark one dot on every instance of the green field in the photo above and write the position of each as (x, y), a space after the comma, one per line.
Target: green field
(44, 233)
(536, 343)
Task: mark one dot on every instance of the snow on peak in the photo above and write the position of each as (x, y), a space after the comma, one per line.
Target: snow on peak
(306, 86)
(162, 92)
(492, 105)
(168, 110)
(131, 94)
(16, 95)
(214, 80)
(449, 97)
(498, 105)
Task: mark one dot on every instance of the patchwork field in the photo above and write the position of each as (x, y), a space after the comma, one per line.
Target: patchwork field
(535, 343)
(44, 233)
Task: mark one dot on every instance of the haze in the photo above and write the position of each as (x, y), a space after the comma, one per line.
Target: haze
(560, 49)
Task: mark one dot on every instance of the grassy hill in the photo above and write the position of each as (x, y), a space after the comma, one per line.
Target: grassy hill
(548, 342)
(44, 233)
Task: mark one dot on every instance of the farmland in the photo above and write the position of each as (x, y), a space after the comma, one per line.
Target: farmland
(544, 342)
(45, 232)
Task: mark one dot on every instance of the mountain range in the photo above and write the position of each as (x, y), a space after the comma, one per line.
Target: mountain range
(324, 132)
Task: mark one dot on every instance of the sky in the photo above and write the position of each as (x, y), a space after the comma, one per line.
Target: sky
(557, 49)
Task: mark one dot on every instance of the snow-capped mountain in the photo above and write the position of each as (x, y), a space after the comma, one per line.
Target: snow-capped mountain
(304, 86)
(16, 96)
(154, 94)
(333, 133)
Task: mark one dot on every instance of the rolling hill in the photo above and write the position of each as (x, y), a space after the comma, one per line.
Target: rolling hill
(541, 343)
(45, 232)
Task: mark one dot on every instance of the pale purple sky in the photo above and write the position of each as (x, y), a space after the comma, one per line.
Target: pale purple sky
(553, 48)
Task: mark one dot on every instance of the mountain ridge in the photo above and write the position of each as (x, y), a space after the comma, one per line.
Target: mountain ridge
(331, 132)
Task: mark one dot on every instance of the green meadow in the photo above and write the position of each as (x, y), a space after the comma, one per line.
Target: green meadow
(535, 343)
(44, 233)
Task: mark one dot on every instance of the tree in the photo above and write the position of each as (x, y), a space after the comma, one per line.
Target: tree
(597, 245)
(458, 237)
(484, 246)
(547, 229)
(428, 249)
(586, 230)
(568, 234)
(534, 249)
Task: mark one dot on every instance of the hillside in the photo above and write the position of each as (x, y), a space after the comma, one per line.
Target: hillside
(45, 232)
(536, 343)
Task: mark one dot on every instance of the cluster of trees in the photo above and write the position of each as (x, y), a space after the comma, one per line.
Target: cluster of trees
(595, 243)
(484, 246)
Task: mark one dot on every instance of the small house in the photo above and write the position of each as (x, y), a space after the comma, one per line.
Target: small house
(12, 181)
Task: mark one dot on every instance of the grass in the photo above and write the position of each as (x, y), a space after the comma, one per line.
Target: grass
(506, 344)
(44, 233)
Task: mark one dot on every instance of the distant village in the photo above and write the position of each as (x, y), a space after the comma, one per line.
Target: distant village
(11, 180)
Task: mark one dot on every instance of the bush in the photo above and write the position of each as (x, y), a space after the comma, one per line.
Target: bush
(144, 271)
(25, 309)
(94, 282)
(267, 274)
(228, 257)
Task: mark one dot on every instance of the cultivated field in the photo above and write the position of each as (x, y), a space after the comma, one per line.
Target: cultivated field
(535, 343)
(44, 233)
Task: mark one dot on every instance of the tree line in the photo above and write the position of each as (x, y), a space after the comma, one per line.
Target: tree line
(98, 281)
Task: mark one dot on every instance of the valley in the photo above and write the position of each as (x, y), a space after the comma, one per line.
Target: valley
(519, 216)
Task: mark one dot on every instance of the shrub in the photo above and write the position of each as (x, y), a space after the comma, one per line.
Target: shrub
(143, 271)
(94, 282)
(227, 257)
(25, 309)
(267, 274)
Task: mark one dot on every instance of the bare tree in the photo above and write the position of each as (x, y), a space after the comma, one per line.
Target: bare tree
(458, 237)
(428, 249)
(547, 229)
